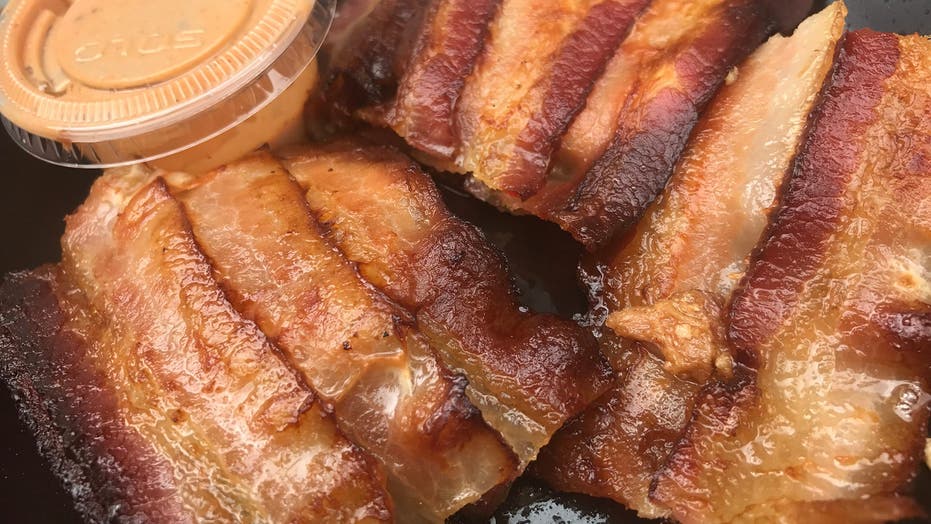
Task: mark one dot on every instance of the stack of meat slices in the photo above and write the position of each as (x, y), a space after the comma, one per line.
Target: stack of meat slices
(574, 111)
(790, 380)
(219, 347)
(313, 337)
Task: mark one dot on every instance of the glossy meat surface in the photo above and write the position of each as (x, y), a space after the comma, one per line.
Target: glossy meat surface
(665, 30)
(362, 354)
(665, 285)
(424, 108)
(656, 119)
(528, 373)
(176, 408)
(574, 111)
(539, 64)
(692, 247)
(827, 414)
(110, 468)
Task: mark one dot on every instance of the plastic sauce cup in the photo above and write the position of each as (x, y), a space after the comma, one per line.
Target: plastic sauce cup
(175, 83)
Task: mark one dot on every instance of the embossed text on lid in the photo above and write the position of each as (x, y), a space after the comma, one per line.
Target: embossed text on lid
(114, 45)
(110, 82)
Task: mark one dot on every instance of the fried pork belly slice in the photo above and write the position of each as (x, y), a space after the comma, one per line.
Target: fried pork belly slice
(528, 373)
(359, 351)
(827, 414)
(423, 108)
(540, 62)
(155, 399)
(616, 156)
(369, 52)
(613, 448)
(111, 469)
(665, 284)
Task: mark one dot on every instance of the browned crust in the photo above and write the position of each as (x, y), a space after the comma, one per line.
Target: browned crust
(613, 448)
(719, 409)
(869, 334)
(796, 241)
(371, 64)
(423, 112)
(576, 67)
(454, 281)
(271, 254)
(632, 172)
(110, 470)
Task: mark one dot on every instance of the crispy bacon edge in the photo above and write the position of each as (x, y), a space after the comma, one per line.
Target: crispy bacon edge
(454, 281)
(108, 468)
(632, 172)
(795, 244)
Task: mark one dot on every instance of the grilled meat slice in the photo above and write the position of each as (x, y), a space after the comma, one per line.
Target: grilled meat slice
(528, 373)
(649, 127)
(665, 284)
(152, 398)
(574, 111)
(827, 414)
(424, 107)
(540, 62)
(633, 105)
(361, 353)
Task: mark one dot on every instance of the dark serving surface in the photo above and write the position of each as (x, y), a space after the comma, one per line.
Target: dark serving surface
(37, 197)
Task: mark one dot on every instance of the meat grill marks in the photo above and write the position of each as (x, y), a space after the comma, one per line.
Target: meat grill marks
(665, 284)
(360, 352)
(562, 114)
(827, 414)
(152, 398)
(528, 373)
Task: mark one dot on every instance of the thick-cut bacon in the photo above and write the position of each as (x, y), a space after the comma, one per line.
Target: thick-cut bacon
(655, 122)
(667, 30)
(112, 470)
(369, 56)
(563, 115)
(528, 373)
(361, 353)
(540, 62)
(423, 111)
(827, 414)
(156, 400)
(665, 284)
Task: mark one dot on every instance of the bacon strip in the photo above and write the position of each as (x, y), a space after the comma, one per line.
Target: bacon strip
(645, 104)
(369, 56)
(827, 415)
(74, 411)
(540, 63)
(423, 112)
(563, 115)
(528, 373)
(361, 353)
(189, 412)
(655, 123)
(665, 284)
(666, 30)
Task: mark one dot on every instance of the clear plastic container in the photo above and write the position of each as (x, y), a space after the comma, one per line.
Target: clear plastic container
(192, 83)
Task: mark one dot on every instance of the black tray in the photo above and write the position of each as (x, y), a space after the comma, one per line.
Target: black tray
(37, 197)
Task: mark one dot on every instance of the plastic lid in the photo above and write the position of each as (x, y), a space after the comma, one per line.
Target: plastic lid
(99, 83)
